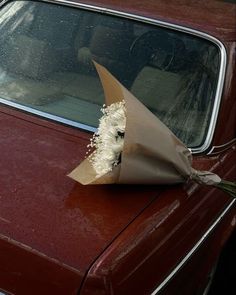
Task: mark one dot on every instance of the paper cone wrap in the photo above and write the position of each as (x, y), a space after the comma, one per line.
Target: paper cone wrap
(152, 154)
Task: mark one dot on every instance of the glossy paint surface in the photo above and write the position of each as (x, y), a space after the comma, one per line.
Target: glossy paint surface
(47, 212)
(152, 246)
(214, 17)
(110, 239)
(61, 228)
(226, 123)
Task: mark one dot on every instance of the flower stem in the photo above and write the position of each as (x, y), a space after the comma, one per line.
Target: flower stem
(228, 187)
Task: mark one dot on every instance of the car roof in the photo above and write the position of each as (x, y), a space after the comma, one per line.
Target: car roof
(215, 17)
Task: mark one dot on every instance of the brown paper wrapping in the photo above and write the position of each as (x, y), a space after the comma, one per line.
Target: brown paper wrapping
(152, 154)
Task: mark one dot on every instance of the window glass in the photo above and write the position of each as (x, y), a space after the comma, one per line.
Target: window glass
(46, 53)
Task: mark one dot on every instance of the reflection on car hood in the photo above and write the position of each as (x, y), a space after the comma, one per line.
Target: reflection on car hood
(47, 211)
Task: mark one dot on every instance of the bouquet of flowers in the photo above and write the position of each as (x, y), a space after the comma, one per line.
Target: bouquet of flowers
(132, 146)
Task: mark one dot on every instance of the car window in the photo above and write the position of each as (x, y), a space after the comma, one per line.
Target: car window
(46, 53)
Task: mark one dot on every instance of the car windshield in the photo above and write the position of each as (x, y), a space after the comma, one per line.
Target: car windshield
(46, 53)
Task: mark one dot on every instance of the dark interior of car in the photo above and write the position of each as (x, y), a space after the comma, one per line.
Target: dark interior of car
(46, 62)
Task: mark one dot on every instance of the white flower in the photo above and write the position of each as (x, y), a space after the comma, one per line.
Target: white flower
(108, 141)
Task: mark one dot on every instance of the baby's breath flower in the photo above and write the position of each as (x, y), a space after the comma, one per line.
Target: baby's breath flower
(108, 141)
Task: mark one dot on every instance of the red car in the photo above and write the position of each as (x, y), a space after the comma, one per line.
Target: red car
(59, 237)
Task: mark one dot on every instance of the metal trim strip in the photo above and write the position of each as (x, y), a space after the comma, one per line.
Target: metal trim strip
(48, 116)
(219, 148)
(205, 146)
(193, 250)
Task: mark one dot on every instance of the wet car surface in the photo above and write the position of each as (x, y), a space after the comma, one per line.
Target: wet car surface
(58, 236)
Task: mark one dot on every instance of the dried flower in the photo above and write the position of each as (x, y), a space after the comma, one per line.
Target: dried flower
(108, 141)
(152, 154)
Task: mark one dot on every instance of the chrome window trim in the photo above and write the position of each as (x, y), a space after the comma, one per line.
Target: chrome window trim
(211, 128)
(48, 116)
(220, 148)
(193, 250)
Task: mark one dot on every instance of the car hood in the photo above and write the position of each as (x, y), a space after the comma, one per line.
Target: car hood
(47, 214)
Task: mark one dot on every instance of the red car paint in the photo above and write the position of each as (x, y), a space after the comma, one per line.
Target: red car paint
(59, 237)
